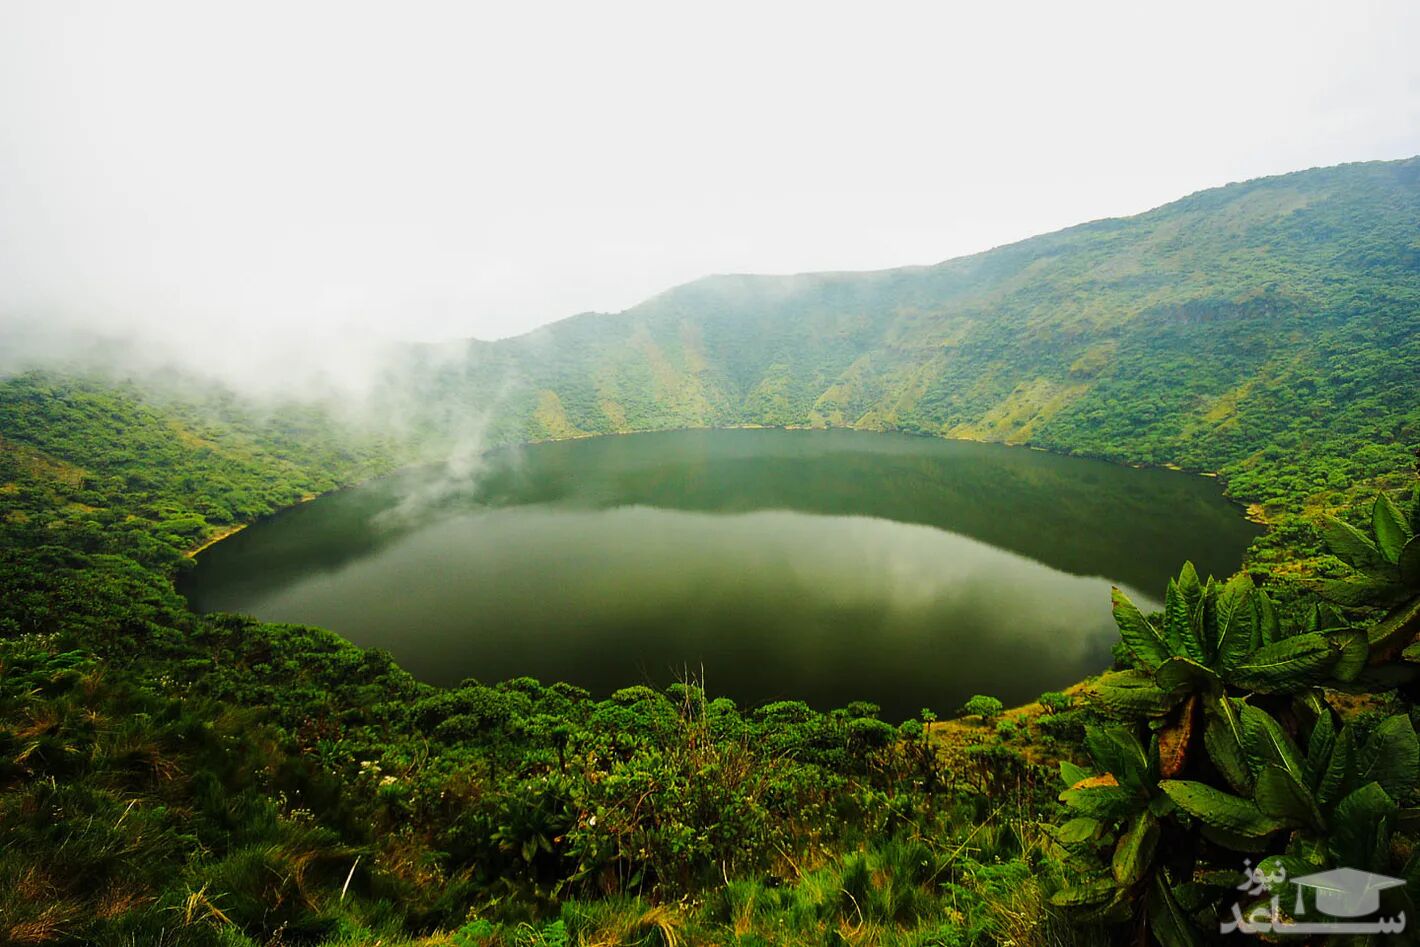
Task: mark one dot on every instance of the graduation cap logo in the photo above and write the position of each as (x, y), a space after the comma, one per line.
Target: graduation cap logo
(1346, 892)
(1341, 898)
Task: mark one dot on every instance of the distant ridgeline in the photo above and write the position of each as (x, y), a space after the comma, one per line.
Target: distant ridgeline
(1268, 330)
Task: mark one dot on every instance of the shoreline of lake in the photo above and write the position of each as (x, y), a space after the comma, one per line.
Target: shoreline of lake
(527, 564)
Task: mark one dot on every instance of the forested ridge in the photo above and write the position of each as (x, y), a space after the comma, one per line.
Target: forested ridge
(1264, 330)
(170, 778)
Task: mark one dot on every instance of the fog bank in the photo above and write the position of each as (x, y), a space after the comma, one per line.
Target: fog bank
(271, 193)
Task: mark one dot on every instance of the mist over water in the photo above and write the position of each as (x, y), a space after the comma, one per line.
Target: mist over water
(825, 566)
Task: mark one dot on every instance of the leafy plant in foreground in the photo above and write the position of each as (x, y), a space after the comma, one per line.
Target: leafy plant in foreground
(1228, 745)
(1387, 571)
(1218, 640)
(1168, 846)
(1216, 635)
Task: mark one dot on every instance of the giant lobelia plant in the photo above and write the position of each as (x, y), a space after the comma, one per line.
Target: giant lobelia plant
(1385, 564)
(1206, 762)
(1217, 641)
(1164, 854)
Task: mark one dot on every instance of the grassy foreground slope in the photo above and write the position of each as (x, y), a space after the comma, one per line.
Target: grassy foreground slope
(1262, 330)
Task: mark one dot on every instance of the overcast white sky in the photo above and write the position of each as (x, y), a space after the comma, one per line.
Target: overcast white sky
(429, 170)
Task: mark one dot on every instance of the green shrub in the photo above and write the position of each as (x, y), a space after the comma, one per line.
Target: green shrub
(983, 706)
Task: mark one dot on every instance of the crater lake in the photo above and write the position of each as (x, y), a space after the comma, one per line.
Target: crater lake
(827, 566)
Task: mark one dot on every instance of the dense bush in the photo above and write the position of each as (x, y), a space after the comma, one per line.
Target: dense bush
(1231, 745)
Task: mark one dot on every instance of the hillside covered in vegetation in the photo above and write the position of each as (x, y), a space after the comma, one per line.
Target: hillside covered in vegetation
(1261, 330)
(173, 778)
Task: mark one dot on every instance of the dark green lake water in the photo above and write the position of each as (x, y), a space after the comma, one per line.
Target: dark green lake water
(826, 566)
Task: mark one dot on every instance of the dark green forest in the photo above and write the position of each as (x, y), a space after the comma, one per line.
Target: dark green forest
(174, 778)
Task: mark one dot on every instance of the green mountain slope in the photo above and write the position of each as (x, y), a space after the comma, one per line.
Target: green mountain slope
(1269, 330)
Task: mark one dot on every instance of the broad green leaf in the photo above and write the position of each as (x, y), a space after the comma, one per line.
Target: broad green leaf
(1234, 840)
(1312, 702)
(1355, 651)
(1077, 830)
(1410, 564)
(1360, 590)
(1224, 739)
(1332, 782)
(1135, 850)
(1185, 675)
(1278, 872)
(1392, 531)
(1391, 757)
(1101, 802)
(1129, 694)
(1325, 618)
(1119, 910)
(1140, 637)
(1205, 620)
(1264, 741)
(1286, 666)
(1319, 746)
(1190, 587)
(1084, 893)
(1189, 592)
(1227, 755)
(1280, 795)
(1073, 774)
(1192, 895)
(1269, 628)
(1217, 808)
(1395, 630)
(1160, 806)
(1285, 867)
(1170, 924)
(1176, 632)
(1117, 750)
(1349, 544)
(1360, 834)
(1236, 621)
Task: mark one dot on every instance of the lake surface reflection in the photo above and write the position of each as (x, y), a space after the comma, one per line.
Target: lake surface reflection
(826, 566)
